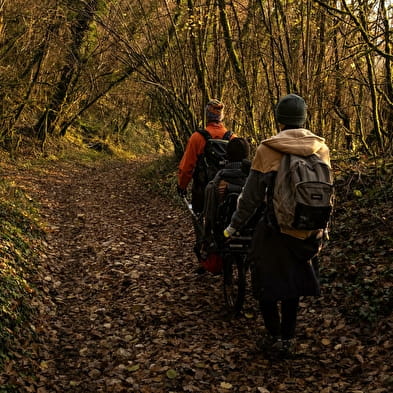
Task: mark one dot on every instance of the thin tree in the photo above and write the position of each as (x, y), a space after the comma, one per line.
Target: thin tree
(79, 26)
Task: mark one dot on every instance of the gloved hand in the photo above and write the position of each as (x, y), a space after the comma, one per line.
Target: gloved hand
(229, 231)
(181, 192)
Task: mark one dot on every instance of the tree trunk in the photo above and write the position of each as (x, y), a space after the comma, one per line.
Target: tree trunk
(237, 67)
(79, 27)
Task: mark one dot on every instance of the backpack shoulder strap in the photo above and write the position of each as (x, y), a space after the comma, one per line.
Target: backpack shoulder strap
(204, 133)
(227, 135)
(207, 136)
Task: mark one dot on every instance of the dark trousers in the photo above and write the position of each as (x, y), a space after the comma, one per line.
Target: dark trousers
(284, 326)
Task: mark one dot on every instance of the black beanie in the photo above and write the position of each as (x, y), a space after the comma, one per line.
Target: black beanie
(238, 149)
(291, 110)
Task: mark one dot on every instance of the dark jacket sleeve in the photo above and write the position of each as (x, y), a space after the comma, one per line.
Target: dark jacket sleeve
(252, 197)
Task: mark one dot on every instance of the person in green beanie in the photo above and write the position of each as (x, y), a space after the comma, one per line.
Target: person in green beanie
(280, 260)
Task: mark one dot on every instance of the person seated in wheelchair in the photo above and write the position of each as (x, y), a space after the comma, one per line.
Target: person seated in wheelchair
(221, 195)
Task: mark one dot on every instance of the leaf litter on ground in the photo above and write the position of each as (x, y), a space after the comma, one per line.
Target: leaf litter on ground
(124, 310)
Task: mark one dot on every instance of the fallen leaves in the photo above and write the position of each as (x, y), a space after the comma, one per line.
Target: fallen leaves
(325, 341)
(226, 385)
(134, 367)
(171, 373)
(130, 315)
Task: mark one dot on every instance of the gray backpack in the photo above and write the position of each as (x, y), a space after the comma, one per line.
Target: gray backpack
(303, 193)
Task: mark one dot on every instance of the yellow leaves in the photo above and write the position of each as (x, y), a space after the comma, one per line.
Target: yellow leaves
(171, 373)
(325, 341)
(262, 390)
(226, 385)
(249, 315)
(133, 368)
(44, 365)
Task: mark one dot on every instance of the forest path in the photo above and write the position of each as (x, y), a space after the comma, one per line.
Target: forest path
(127, 313)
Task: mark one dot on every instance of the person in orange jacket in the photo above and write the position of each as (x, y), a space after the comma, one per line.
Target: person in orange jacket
(195, 147)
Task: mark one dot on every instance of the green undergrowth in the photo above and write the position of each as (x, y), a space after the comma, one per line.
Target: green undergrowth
(360, 253)
(159, 175)
(20, 231)
(139, 138)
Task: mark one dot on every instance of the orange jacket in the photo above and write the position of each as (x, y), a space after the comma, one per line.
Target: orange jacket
(194, 149)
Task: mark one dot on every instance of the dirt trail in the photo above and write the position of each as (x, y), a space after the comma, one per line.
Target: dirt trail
(129, 314)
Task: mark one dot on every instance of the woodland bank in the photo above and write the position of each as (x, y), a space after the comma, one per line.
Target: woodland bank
(120, 309)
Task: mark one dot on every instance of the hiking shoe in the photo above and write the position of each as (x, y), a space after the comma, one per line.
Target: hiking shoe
(267, 342)
(275, 348)
(200, 270)
(284, 349)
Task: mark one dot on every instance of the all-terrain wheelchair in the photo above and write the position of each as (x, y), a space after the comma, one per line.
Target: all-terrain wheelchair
(215, 252)
(234, 252)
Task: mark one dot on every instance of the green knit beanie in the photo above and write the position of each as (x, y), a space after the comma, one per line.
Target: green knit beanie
(291, 110)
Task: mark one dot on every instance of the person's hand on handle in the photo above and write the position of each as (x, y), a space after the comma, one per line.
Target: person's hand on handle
(181, 192)
(229, 231)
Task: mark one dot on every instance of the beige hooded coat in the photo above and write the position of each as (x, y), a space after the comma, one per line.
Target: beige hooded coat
(298, 141)
(280, 262)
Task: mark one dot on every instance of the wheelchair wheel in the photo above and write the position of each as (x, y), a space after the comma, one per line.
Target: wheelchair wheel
(235, 270)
